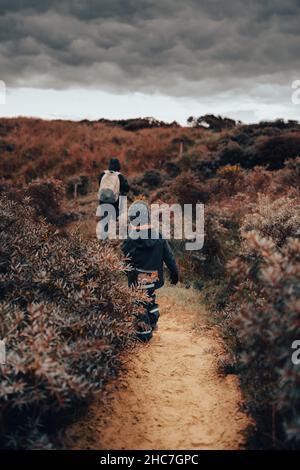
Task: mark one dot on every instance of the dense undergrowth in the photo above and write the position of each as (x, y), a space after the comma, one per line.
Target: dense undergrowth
(65, 317)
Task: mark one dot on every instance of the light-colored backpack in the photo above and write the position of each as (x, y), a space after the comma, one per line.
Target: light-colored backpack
(109, 190)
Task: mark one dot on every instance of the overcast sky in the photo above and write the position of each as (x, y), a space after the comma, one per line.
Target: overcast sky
(165, 58)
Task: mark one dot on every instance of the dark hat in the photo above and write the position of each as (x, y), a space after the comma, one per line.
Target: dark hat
(114, 165)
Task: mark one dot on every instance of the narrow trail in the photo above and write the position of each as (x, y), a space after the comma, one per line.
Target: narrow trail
(172, 396)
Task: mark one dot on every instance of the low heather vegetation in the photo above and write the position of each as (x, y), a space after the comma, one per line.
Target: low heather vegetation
(65, 297)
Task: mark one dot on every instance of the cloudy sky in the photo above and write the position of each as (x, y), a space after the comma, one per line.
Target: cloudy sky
(164, 58)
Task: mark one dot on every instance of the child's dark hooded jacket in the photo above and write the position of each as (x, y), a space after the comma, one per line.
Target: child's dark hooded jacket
(150, 255)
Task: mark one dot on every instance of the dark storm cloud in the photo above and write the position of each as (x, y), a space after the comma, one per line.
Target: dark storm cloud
(168, 46)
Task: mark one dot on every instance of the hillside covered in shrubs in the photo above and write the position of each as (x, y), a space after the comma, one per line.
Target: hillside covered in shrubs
(33, 148)
(248, 271)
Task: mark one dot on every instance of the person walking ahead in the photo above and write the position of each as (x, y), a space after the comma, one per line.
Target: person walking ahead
(112, 185)
(147, 255)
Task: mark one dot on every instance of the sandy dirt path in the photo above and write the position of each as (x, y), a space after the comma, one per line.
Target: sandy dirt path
(172, 396)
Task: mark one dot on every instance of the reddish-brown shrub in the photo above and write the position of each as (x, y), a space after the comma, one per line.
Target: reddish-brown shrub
(187, 189)
(65, 316)
(46, 197)
(264, 314)
(278, 219)
(273, 151)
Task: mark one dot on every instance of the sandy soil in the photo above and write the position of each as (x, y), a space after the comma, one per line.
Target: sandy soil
(172, 396)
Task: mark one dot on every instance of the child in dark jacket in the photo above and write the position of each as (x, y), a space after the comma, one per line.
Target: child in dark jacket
(147, 255)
